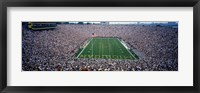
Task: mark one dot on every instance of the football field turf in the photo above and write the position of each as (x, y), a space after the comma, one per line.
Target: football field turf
(106, 48)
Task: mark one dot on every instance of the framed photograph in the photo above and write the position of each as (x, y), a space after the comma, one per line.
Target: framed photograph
(99, 46)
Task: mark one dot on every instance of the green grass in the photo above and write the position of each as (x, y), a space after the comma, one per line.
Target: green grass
(106, 48)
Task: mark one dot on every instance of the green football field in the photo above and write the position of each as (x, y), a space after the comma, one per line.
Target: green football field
(106, 48)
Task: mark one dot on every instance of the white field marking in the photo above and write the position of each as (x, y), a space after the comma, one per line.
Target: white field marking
(108, 46)
(101, 47)
(92, 47)
(84, 48)
(126, 49)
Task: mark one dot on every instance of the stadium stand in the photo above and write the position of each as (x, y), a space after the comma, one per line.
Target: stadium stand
(54, 50)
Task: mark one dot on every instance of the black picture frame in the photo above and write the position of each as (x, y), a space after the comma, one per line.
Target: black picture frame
(100, 3)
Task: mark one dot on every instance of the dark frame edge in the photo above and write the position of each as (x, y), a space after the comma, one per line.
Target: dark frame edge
(102, 3)
(1, 30)
(197, 24)
(196, 65)
(3, 43)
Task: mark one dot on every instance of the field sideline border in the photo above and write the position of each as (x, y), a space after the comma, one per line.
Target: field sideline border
(127, 49)
(84, 48)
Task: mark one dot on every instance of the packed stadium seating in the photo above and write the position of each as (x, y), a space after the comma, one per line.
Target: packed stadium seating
(54, 50)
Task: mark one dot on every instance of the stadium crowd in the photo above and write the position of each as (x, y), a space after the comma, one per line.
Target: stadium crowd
(54, 50)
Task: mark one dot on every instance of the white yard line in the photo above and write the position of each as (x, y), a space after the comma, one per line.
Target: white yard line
(101, 47)
(92, 47)
(108, 46)
(126, 49)
(84, 48)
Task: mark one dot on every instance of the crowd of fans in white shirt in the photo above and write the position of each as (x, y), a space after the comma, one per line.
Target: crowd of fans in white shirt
(54, 50)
